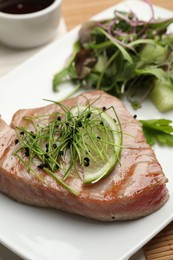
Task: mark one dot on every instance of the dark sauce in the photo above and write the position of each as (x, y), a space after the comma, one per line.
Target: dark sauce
(23, 6)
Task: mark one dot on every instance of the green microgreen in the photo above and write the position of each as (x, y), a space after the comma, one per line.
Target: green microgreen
(59, 143)
(158, 131)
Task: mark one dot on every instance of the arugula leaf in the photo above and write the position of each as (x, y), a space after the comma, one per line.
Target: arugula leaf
(158, 131)
(65, 73)
(157, 72)
(125, 54)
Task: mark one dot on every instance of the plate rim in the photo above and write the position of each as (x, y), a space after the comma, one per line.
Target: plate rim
(9, 245)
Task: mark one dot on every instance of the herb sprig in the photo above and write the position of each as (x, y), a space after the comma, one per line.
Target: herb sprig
(63, 144)
(124, 56)
(158, 130)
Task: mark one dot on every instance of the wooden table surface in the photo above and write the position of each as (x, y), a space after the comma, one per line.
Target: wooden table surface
(76, 12)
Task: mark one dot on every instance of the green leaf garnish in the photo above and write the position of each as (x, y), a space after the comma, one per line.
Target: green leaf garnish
(158, 130)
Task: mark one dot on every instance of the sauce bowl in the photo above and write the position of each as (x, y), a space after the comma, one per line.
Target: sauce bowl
(31, 29)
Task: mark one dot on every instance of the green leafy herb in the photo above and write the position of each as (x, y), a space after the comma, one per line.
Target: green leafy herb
(123, 56)
(66, 143)
(158, 130)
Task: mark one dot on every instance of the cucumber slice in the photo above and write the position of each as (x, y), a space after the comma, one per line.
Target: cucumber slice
(153, 53)
(103, 144)
(162, 96)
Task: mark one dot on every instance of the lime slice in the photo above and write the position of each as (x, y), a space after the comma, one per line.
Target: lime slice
(102, 142)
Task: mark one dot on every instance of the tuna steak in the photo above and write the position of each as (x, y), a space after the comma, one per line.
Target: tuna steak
(135, 188)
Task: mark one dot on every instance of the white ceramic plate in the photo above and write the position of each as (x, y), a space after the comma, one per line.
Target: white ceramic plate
(43, 234)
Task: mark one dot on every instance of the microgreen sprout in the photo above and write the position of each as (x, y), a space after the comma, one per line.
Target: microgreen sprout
(65, 143)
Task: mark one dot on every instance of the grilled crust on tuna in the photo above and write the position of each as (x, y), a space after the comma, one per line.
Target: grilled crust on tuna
(135, 188)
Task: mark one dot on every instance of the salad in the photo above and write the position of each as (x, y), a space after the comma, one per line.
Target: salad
(124, 56)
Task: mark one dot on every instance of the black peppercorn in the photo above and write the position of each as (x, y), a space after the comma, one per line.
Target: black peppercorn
(86, 161)
(41, 166)
(61, 153)
(26, 151)
(79, 124)
(16, 141)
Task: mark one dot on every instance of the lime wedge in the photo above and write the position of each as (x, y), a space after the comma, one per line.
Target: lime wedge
(101, 145)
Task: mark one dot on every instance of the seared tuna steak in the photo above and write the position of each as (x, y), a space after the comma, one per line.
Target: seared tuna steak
(136, 186)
